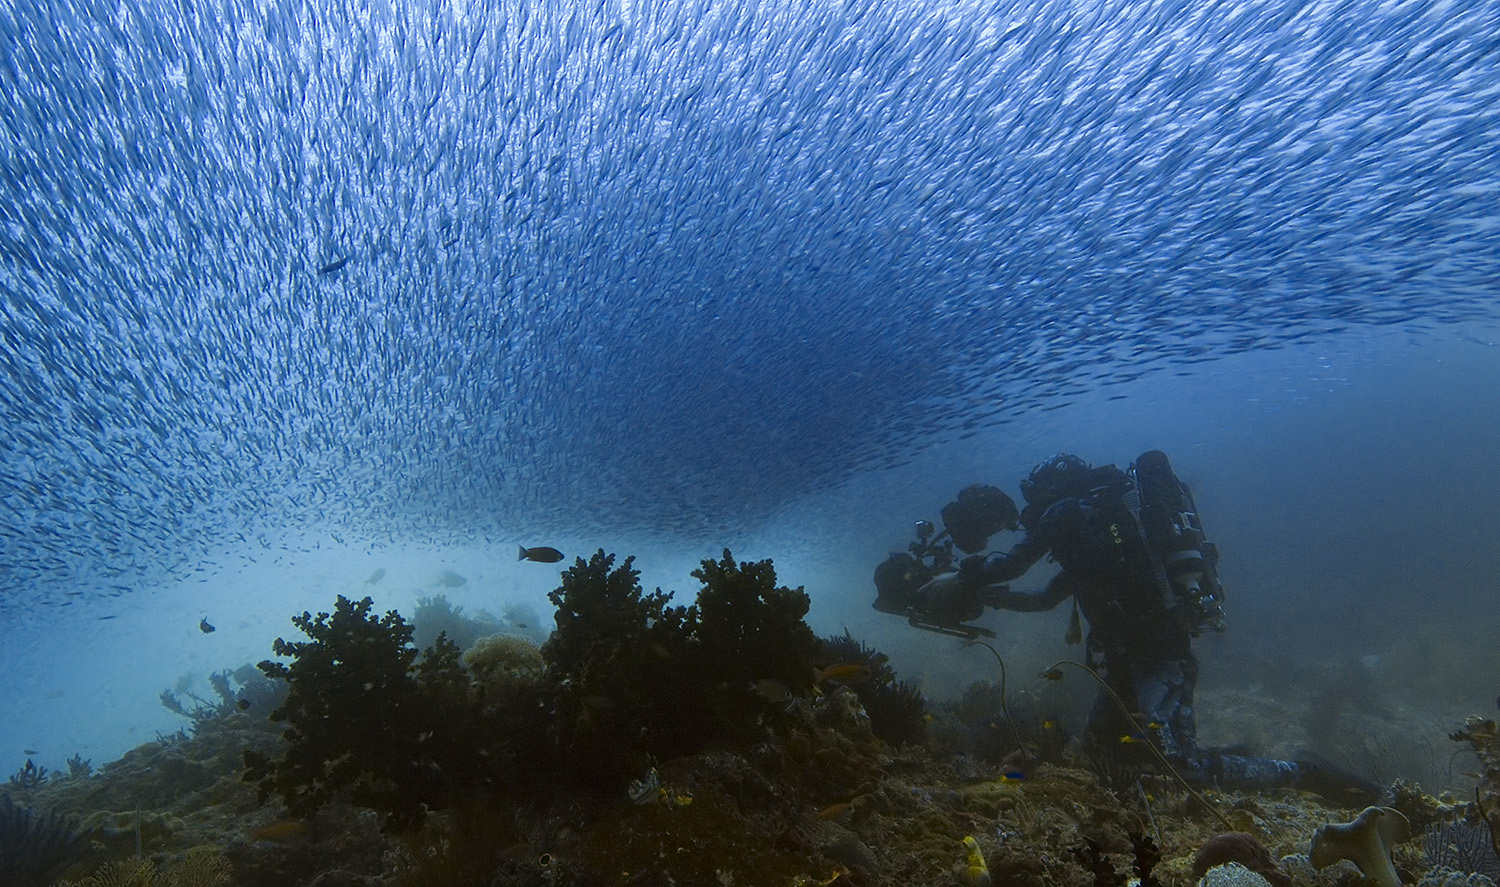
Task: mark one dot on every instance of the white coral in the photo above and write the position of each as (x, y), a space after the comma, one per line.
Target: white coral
(1231, 874)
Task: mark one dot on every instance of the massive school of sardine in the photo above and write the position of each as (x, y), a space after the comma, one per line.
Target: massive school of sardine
(437, 268)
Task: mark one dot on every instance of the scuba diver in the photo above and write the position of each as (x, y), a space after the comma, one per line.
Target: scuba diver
(1135, 562)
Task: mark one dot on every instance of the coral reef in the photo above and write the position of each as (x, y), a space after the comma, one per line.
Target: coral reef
(1441, 877)
(371, 720)
(199, 867)
(1461, 845)
(622, 663)
(436, 615)
(33, 848)
(1483, 736)
(652, 744)
(747, 628)
(898, 713)
(244, 689)
(1243, 849)
(640, 680)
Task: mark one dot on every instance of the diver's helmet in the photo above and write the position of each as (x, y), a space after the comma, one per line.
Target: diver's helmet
(1059, 476)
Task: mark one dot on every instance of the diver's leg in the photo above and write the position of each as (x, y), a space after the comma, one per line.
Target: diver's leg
(1164, 692)
(1248, 773)
(1106, 723)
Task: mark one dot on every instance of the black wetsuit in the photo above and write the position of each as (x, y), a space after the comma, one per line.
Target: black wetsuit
(1139, 644)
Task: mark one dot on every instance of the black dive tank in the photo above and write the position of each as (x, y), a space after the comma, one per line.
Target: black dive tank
(1174, 531)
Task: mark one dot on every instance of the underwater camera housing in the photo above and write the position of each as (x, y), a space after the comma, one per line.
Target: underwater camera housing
(968, 522)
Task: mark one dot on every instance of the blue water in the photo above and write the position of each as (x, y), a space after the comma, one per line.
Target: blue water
(292, 292)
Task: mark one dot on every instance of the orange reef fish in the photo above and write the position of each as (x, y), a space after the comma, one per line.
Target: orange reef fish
(848, 673)
(541, 554)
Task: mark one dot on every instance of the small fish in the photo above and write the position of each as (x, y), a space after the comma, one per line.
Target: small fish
(541, 554)
(834, 811)
(335, 265)
(375, 576)
(204, 627)
(647, 789)
(30, 751)
(847, 673)
(1052, 674)
(1013, 776)
(242, 704)
(1130, 739)
(450, 579)
(1155, 725)
(1049, 724)
(774, 692)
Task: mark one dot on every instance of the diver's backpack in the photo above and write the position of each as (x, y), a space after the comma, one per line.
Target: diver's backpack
(1186, 564)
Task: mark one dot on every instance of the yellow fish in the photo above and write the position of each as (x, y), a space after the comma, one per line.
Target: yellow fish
(1052, 674)
(1130, 740)
(976, 872)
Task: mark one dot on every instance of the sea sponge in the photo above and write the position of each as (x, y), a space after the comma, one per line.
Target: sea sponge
(1243, 848)
(1366, 842)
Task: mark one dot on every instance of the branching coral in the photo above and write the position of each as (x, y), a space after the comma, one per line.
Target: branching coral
(624, 680)
(747, 628)
(370, 720)
(639, 679)
(620, 658)
(29, 777)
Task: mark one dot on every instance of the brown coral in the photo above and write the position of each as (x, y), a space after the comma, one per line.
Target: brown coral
(1243, 848)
